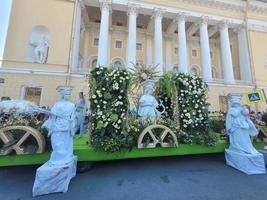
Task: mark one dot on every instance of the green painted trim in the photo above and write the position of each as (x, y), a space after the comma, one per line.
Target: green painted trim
(86, 153)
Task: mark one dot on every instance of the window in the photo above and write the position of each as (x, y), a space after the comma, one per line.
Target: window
(33, 94)
(214, 72)
(139, 46)
(176, 51)
(231, 47)
(94, 63)
(193, 71)
(96, 42)
(119, 24)
(118, 44)
(117, 65)
(176, 69)
(211, 55)
(194, 52)
(223, 103)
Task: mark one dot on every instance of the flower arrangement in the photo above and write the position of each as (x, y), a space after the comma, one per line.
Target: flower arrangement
(143, 72)
(109, 107)
(113, 129)
(192, 100)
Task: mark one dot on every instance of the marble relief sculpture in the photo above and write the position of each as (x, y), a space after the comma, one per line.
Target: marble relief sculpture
(241, 154)
(148, 103)
(55, 174)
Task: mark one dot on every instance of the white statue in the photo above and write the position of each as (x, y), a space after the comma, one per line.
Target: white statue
(55, 175)
(61, 125)
(148, 103)
(41, 50)
(241, 154)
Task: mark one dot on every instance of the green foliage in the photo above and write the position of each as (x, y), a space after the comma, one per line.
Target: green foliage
(217, 124)
(193, 104)
(191, 100)
(166, 92)
(109, 106)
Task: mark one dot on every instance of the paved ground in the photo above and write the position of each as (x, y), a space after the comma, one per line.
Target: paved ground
(201, 177)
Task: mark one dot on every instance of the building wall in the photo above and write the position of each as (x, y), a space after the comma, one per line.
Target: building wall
(57, 16)
(259, 56)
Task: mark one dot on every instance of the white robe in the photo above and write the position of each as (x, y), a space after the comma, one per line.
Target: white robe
(61, 126)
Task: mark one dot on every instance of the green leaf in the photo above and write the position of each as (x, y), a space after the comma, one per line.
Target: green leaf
(114, 117)
(99, 125)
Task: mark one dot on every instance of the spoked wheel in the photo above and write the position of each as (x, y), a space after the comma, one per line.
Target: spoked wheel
(20, 139)
(158, 134)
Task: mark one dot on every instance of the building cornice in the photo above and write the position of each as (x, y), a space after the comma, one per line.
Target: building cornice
(232, 6)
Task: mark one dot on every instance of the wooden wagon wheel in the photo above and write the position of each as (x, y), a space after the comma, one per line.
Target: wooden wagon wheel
(7, 137)
(165, 131)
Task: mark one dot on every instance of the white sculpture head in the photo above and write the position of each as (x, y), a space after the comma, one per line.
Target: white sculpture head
(235, 99)
(65, 92)
(148, 86)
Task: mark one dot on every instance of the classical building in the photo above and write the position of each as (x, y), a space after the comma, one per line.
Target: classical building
(56, 42)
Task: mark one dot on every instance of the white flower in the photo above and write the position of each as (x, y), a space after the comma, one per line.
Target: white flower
(94, 96)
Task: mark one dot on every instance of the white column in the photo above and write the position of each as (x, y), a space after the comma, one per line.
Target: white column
(182, 48)
(205, 50)
(149, 47)
(85, 49)
(76, 37)
(244, 59)
(131, 48)
(158, 53)
(168, 54)
(102, 57)
(226, 56)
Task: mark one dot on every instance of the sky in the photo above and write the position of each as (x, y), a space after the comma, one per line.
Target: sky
(5, 7)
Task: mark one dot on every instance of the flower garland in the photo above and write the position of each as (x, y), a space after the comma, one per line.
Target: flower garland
(109, 106)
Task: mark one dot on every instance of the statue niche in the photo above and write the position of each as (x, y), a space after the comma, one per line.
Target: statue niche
(38, 45)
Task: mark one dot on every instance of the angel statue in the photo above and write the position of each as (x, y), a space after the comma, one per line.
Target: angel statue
(148, 103)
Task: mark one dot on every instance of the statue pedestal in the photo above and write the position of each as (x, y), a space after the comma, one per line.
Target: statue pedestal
(54, 178)
(247, 163)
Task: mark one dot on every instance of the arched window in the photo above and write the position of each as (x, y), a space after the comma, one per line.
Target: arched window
(117, 65)
(38, 45)
(94, 63)
(195, 71)
(176, 69)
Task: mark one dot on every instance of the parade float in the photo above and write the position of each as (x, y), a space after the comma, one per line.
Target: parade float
(133, 115)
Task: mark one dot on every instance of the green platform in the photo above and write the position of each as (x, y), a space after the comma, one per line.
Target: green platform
(86, 153)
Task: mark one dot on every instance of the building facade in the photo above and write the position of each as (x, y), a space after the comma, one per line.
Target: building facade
(221, 40)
